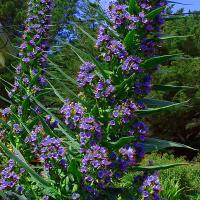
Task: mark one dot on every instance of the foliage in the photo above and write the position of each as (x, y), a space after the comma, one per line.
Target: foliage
(180, 183)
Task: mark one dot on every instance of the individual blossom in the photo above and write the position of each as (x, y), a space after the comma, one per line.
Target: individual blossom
(17, 128)
(86, 75)
(128, 157)
(6, 112)
(34, 135)
(140, 130)
(73, 113)
(53, 123)
(75, 196)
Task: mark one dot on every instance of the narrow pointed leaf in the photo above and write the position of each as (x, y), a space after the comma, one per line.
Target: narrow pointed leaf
(4, 99)
(169, 37)
(56, 92)
(63, 73)
(120, 143)
(156, 110)
(86, 33)
(154, 13)
(153, 144)
(156, 102)
(133, 7)
(157, 167)
(152, 62)
(172, 88)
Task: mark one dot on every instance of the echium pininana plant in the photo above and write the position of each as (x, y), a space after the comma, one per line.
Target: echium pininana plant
(27, 128)
(111, 130)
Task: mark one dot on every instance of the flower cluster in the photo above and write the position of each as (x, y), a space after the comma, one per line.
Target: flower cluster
(95, 167)
(73, 113)
(104, 89)
(46, 148)
(119, 16)
(9, 179)
(115, 49)
(86, 75)
(143, 87)
(150, 187)
(124, 112)
(103, 38)
(132, 65)
(90, 130)
(33, 57)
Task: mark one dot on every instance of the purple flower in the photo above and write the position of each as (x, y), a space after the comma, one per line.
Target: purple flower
(17, 128)
(103, 38)
(116, 48)
(75, 196)
(73, 113)
(6, 112)
(150, 185)
(86, 76)
(132, 65)
(8, 177)
(104, 89)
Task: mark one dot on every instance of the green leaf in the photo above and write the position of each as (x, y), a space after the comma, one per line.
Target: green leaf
(63, 73)
(172, 88)
(152, 62)
(133, 7)
(86, 33)
(151, 15)
(120, 143)
(56, 92)
(157, 167)
(153, 144)
(169, 37)
(19, 197)
(66, 89)
(34, 175)
(156, 102)
(4, 99)
(73, 169)
(156, 110)
(130, 40)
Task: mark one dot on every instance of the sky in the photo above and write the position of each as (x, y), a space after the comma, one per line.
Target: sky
(195, 4)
